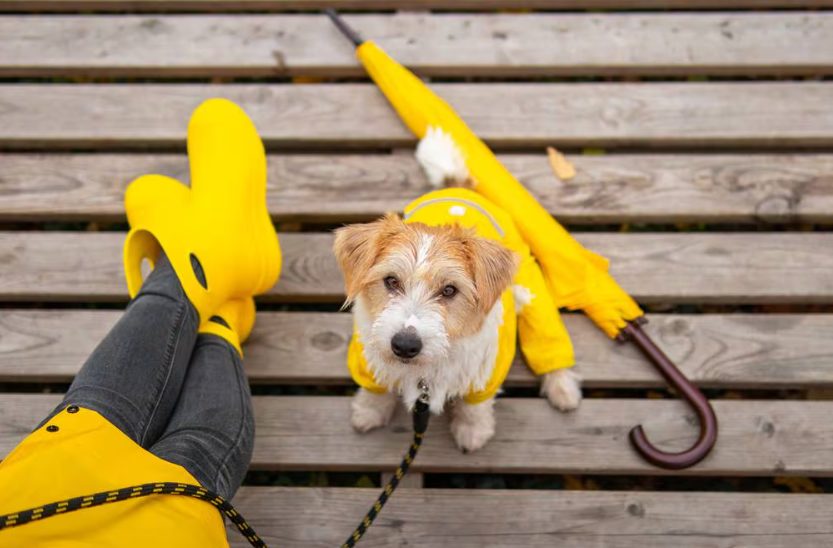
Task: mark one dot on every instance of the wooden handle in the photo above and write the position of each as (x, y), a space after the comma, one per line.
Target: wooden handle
(708, 421)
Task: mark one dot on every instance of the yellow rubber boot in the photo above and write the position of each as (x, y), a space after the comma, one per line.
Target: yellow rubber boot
(238, 317)
(221, 222)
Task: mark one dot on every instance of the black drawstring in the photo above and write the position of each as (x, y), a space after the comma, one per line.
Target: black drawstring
(135, 491)
(420, 418)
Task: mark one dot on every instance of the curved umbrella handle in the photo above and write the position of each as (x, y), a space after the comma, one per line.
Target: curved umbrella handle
(708, 421)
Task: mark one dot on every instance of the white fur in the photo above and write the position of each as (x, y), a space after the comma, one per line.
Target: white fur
(522, 297)
(562, 388)
(425, 241)
(441, 159)
(472, 425)
(371, 410)
(451, 370)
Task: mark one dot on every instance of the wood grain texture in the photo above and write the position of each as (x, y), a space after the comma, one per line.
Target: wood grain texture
(449, 5)
(432, 45)
(652, 267)
(460, 518)
(660, 115)
(614, 188)
(313, 433)
(774, 351)
(412, 480)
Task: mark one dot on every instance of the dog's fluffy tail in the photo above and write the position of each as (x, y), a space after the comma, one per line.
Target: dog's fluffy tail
(442, 160)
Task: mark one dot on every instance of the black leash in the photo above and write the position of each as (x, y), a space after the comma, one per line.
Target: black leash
(420, 418)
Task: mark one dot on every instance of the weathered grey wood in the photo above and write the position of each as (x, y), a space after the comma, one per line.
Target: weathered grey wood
(653, 267)
(654, 188)
(455, 518)
(661, 115)
(720, 351)
(412, 480)
(436, 45)
(285, 5)
(761, 438)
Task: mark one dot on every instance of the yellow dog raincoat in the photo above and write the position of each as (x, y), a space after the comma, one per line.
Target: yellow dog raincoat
(544, 340)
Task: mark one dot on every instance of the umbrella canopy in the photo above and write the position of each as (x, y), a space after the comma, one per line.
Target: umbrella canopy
(578, 279)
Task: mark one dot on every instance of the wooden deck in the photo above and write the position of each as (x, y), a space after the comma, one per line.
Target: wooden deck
(703, 142)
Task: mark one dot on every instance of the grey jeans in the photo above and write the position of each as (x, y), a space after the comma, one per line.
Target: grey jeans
(182, 396)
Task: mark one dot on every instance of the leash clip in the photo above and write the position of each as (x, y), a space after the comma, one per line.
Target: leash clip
(424, 391)
(421, 413)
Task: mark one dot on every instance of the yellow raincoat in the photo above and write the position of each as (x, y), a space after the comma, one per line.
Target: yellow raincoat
(221, 217)
(87, 454)
(544, 340)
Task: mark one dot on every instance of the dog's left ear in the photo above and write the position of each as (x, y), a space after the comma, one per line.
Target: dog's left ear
(357, 246)
(494, 267)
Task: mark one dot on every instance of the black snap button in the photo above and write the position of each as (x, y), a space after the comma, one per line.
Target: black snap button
(52, 428)
(72, 409)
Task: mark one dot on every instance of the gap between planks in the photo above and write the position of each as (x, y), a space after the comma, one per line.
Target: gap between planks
(412, 480)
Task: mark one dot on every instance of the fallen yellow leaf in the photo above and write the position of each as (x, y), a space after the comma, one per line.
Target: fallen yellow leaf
(307, 80)
(562, 167)
(798, 484)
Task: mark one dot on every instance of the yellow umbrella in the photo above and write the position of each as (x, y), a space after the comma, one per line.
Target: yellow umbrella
(578, 278)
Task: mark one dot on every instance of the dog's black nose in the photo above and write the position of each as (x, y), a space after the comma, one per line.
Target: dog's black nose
(406, 343)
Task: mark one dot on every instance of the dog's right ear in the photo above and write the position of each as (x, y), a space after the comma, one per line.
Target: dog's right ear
(357, 247)
(494, 267)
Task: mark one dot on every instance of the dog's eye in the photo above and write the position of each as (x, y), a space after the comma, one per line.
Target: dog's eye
(449, 291)
(392, 283)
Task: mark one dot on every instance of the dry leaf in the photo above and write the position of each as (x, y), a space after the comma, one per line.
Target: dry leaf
(307, 80)
(799, 485)
(562, 167)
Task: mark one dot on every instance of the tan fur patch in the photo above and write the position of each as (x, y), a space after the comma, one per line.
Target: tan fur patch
(357, 247)
(424, 260)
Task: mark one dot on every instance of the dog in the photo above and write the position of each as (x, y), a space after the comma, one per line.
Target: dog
(434, 306)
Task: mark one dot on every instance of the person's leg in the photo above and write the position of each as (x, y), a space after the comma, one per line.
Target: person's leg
(211, 430)
(134, 376)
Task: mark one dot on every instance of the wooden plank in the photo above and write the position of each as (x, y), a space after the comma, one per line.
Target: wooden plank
(667, 115)
(457, 518)
(774, 351)
(667, 188)
(653, 267)
(412, 480)
(757, 437)
(291, 5)
(432, 45)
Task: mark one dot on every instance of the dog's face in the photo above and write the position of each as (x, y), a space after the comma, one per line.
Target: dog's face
(421, 287)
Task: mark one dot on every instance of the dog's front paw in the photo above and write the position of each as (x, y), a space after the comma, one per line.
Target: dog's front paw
(471, 437)
(472, 425)
(371, 410)
(562, 388)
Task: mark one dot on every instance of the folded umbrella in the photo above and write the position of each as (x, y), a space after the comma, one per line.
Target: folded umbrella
(578, 278)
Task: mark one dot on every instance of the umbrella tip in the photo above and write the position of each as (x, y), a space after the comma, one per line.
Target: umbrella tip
(345, 29)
